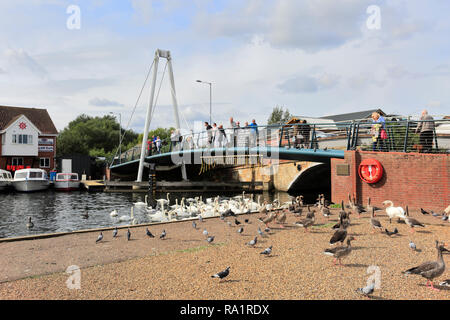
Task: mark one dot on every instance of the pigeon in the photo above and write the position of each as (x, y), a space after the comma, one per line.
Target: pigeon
(246, 221)
(252, 242)
(412, 245)
(261, 233)
(367, 290)
(445, 283)
(30, 224)
(99, 238)
(210, 239)
(128, 235)
(115, 232)
(200, 218)
(444, 217)
(237, 222)
(424, 212)
(267, 251)
(240, 230)
(267, 230)
(390, 233)
(149, 234)
(163, 235)
(222, 274)
(194, 225)
(205, 232)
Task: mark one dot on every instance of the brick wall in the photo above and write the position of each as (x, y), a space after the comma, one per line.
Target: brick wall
(413, 179)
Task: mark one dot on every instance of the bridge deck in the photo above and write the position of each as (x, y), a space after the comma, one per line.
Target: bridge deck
(193, 156)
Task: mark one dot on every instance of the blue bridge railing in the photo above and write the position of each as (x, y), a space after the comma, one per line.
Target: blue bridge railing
(397, 136)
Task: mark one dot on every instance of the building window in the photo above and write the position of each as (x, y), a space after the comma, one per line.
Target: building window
(22, 138)
(45, 163)
(17, 161)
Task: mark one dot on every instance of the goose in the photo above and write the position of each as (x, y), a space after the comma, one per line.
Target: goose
(299, 200)
(142, 204)
(310, 213)
(30, 224)
(281, 218)
(269, 219)
(114, 213)
(369, 206)
(430, 269)
(340, 252)
(374, 222)
(340, 234)
(326, 212)
(305, 223)
(411, 222)
(392, 211)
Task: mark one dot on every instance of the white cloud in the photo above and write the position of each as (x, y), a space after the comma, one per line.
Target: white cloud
(21, 58)
(99, 102)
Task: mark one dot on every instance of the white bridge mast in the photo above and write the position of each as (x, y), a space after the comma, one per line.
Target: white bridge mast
(159, 54)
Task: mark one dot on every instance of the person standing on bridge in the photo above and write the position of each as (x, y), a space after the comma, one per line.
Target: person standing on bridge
(231, 133)
(215, 134)
(222, 139)
(158, 144)
(173, 139)
(209, 133)
(426, 128)
(305, 131)
(379, 134)
(253, 133)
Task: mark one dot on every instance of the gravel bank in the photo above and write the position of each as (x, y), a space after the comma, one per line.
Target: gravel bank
(181, 266)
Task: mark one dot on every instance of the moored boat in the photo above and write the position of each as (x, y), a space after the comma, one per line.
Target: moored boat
(5, 179)
(27, 180)
(67, 181)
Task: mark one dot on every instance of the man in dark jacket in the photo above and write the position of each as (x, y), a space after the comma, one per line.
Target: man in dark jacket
(426, 129)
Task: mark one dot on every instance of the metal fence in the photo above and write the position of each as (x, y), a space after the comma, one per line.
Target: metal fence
(397, 136)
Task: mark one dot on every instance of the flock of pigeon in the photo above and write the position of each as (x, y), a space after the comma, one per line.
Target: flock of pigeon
(429, 270)
(276, 212)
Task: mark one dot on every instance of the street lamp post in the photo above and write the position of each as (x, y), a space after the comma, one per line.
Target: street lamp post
(120, 134)
(210, 98)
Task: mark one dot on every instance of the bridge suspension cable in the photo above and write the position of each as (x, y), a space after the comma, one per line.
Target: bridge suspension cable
(132, 113)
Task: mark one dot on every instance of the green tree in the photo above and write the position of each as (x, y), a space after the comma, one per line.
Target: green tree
(94, 136)
(279, 116)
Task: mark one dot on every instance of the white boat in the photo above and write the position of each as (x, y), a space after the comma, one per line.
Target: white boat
(27, 180)
(5, 179)
(67, 181)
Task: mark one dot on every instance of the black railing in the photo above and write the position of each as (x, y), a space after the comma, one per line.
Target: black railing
(399, 136)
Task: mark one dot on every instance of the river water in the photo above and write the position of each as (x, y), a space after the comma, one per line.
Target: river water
(53, 211)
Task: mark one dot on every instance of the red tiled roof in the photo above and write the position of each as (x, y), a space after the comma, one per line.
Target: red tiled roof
(39, 117)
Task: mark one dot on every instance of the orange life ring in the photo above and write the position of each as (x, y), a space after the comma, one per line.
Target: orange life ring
(370, 171)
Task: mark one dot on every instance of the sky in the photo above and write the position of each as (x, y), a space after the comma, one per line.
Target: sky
(313, 57)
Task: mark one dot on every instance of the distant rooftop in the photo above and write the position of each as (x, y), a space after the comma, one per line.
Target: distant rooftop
(354, 115)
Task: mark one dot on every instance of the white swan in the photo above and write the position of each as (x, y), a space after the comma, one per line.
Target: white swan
(114, 213)
(392, 211)
(129, 218)
(142, 204)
